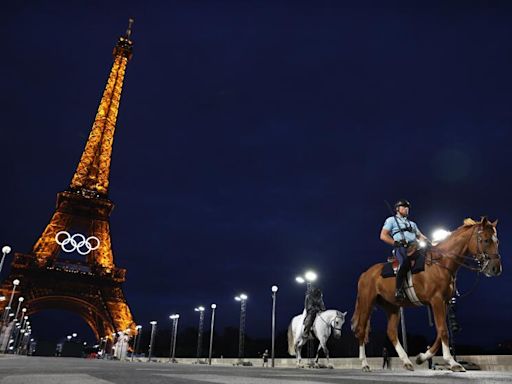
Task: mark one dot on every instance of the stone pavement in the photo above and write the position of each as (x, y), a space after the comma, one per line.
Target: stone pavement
(41, 370)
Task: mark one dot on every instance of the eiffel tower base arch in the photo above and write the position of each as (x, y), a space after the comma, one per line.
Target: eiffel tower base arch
(97, 299)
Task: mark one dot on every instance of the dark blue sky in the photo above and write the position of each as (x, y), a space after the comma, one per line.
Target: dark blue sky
(258, 139)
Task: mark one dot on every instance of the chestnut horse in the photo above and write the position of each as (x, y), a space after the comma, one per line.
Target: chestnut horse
(472, 242)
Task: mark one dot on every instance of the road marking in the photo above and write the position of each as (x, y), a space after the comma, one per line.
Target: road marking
(53, 379)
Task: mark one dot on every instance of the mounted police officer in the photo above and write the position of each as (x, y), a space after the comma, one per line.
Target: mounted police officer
(401, 233)
(313, 304)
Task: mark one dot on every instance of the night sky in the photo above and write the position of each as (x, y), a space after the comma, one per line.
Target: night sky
(256, 140)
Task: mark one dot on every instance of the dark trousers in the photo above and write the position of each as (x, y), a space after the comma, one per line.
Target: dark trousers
(404, 266)
(386, 362)
(308, 321)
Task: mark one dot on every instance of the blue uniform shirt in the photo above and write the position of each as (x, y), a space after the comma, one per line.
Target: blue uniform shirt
(409, 228)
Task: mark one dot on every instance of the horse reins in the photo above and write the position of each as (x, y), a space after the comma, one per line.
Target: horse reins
(331, 325)
(482, 258)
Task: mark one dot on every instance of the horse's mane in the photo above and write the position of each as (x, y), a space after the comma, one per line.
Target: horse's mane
(467, 223)
(470, 222)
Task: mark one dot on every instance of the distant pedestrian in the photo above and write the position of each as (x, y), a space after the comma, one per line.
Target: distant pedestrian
(385, 358)
(265, 358)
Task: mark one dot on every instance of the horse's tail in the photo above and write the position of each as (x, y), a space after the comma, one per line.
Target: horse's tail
(356, 317)
(291, 341)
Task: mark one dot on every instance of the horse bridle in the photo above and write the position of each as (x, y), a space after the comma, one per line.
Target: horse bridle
(482, 257)
(338, 316)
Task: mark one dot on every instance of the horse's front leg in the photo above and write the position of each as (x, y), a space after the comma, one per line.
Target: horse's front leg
(439, 310)
(429, 353)
(393, 314)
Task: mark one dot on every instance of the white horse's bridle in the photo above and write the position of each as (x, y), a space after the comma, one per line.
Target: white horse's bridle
(332, 322)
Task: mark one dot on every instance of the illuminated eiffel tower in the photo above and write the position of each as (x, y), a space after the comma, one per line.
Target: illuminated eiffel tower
(91, 287)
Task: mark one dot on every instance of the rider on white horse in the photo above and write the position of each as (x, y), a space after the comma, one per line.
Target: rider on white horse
(313, 304)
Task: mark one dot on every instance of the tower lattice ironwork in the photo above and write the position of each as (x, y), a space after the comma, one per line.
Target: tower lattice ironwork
(90, 287)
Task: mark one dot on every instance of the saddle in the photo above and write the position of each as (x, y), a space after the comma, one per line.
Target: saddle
(417, 256)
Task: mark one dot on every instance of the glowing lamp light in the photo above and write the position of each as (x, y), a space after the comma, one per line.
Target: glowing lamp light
(300, 280)
(6, 249)
(439, 235)
(310, 276)
(274, 288)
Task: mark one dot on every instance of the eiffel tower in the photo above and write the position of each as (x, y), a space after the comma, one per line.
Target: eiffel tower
(91, 287)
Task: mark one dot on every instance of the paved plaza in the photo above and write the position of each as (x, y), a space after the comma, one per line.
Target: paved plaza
(40, 370)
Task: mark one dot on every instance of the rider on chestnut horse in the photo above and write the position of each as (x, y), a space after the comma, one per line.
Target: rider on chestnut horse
(401, 233)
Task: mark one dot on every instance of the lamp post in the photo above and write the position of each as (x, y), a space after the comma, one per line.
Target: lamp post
(5, 250)
(20, 301)
(274, 292)
(242, 298)
(174, 335)
(200, 309)
(214, 306)
(15, 283)
(136, 340)
(309, 278)
(152, 339)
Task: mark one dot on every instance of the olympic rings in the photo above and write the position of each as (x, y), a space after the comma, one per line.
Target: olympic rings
(77, 245)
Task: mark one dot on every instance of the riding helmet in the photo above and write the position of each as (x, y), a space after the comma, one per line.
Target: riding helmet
(402, 203)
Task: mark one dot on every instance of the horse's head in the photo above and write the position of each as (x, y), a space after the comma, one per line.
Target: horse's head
(483, 246)
(337, 323)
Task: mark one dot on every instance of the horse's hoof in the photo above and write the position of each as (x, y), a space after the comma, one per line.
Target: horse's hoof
(457, 368)
(330, 366)
(409, 366)
(419, 360)
(366, 368)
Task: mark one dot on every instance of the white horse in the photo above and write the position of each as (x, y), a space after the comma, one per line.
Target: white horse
(325, 322)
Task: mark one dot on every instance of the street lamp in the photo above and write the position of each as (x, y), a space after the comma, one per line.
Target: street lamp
(242, 298)
(439, 235)
(20, 301)
(152, 339)
(211, 333)
(74, 335)
(175, 317)
(15, 283)
(200, 309)
(274, 292)
(136, 340)
(309, 278)
(5, 250)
